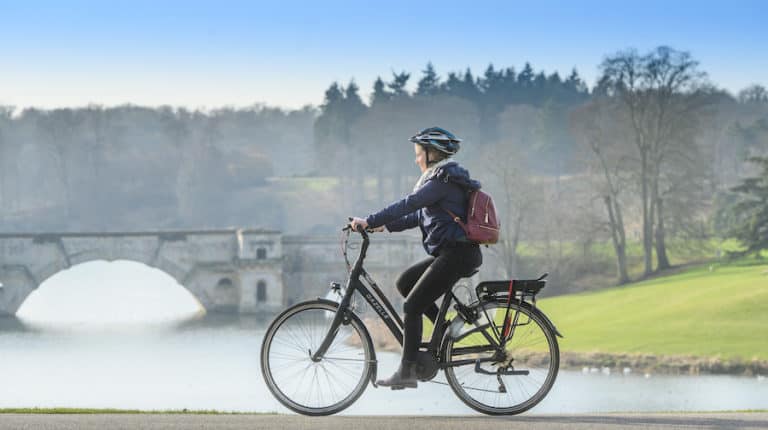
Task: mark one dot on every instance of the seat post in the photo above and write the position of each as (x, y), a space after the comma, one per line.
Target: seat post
(447, 297)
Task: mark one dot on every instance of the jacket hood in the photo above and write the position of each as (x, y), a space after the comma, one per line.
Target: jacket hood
(453, 172)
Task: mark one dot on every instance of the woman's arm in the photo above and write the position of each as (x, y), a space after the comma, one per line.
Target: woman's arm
(429, 193)
(404, 223)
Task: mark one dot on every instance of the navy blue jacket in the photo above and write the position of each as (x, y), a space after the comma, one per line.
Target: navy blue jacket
(447, 188)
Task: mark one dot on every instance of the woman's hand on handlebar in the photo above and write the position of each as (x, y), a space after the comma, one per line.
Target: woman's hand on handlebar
(356, 222)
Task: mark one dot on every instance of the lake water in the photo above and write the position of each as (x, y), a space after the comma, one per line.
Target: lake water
(120, 354)
(214, 364)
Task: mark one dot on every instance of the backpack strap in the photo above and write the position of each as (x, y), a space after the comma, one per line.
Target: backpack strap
(453, 215)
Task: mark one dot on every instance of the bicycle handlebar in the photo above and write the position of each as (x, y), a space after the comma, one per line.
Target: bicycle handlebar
(345, 243)
(363, 232)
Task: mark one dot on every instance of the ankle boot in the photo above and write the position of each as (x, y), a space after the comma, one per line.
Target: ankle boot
(404, 377)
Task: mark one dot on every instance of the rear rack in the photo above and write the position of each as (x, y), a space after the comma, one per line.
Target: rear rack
(517, 290)
(520, 288)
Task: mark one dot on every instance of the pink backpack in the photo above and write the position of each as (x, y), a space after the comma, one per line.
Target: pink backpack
(482, 225)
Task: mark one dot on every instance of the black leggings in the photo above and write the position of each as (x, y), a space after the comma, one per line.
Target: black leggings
(424, 282)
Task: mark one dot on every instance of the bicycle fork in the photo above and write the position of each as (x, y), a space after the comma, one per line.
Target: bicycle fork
(340, 318)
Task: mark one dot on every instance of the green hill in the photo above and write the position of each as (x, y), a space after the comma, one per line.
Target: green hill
(721, 312)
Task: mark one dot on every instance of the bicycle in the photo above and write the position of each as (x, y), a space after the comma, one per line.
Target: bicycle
(500, 353)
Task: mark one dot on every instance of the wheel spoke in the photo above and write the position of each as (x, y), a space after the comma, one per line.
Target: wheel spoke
(531, 347)
(315, 388)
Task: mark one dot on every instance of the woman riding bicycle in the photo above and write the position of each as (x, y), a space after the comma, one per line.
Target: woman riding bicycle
(443, 186)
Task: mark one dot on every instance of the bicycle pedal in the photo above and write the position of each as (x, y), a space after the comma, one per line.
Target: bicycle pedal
(402, 387)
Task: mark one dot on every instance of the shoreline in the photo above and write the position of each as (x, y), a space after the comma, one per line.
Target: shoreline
(662, 364)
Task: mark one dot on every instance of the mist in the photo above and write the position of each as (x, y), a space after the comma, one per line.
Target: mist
(558, 155)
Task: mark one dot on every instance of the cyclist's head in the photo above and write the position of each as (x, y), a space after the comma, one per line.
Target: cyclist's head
(438, 141)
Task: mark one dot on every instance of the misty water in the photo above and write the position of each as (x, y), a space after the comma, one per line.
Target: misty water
(122, 335)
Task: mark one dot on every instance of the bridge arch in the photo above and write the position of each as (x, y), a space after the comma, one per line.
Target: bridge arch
(197, 260)
(99, 291)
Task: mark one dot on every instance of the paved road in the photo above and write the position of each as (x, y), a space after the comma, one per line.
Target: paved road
(286, 422)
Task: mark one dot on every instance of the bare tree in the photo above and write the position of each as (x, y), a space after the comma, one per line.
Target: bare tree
(657, 91)
(508, 178)
(597, 128)
(60, 127)
(756, 94)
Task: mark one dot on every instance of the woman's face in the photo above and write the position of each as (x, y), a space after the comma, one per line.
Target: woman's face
(421, 157)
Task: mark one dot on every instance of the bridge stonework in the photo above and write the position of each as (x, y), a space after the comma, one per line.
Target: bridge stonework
(230, 271)
(226, 270)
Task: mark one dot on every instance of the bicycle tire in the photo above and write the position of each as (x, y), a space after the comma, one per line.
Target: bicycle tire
(313, 337)
(552, 354)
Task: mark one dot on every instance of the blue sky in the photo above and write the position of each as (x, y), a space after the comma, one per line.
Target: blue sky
(209, 54)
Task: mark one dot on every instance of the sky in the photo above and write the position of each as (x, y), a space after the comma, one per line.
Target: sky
(286, 53)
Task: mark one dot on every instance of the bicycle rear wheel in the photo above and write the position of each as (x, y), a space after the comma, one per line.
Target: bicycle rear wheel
(328, 385)
(504, 382)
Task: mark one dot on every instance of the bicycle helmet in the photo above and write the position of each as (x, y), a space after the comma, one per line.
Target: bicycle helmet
(438, 138)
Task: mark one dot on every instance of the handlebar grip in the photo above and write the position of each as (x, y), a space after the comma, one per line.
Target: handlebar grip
(359, 229)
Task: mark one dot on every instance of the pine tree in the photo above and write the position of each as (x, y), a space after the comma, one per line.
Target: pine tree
(331, 128)
(525, 78)
(491, 101)
(353, 105)
(554, 80)
(399, 81)
(509, 86)
(469, 86)
(380, 93)
(509, 77)
(464, 86)
(553, 88)
(452, 84)
(574, 82)
(491, 88)
(429, 84)
(333, 98)
(751, 211)
(490, 80)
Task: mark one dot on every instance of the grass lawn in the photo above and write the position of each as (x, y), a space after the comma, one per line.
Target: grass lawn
(719, 313)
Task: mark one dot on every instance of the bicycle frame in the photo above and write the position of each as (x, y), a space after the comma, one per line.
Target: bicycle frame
(383, 307)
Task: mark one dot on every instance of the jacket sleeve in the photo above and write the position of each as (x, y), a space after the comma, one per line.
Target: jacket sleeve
(431, 192)
(404, 223)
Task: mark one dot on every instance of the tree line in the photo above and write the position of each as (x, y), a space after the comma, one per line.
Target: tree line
(653, 155)
(653, 146)
(131, 167)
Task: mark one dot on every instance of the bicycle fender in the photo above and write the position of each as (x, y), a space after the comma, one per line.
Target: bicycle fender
(549, 321)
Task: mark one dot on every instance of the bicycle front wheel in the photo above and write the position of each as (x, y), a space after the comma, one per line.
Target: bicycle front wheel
(508, 381)
(321, 387)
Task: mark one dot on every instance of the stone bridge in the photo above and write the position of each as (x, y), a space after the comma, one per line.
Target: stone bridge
(236, 270)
